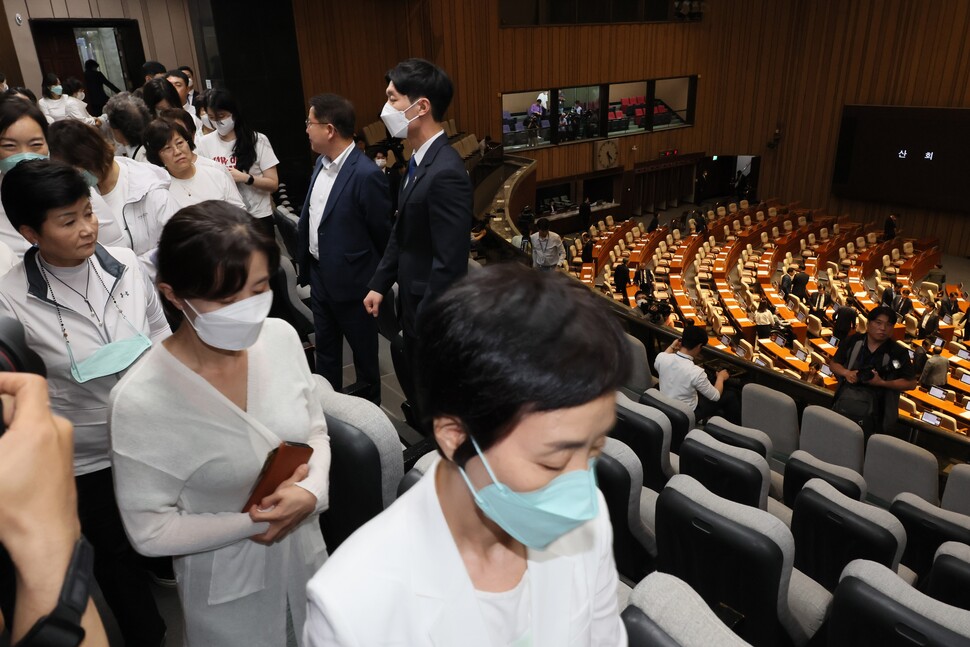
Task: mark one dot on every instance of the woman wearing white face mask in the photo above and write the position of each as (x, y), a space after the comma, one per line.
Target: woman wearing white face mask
(52, 102)
(192, 424)
(506, 539)
(90, 313)
(247, 155)
(76, 107)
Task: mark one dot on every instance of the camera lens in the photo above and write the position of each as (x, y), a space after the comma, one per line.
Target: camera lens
(15, 355)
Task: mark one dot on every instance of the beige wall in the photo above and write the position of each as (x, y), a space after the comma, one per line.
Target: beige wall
(166, 30)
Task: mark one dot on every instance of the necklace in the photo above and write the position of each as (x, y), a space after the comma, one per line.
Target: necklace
(87, 284)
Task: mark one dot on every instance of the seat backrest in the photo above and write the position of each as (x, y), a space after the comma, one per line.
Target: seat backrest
(620, 479)
(831, 530)
(893, 466)
(731, 554)
(775, 414)
(738, 436)
(366, 463)
(832, 437)
(731, 472)
(421, 467)
(873, 607)
(646, 431)
(949, 579)
(802, 467)
(680, 416)
(639, 378)
(956, 496)
(664, 611)
(927, 528)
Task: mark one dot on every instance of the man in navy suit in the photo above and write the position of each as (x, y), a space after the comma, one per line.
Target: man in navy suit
(343, 230)
(429, 245)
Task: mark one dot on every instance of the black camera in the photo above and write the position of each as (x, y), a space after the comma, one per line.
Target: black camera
(15, 355)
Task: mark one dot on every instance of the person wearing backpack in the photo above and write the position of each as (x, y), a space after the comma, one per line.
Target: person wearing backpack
(873, 369)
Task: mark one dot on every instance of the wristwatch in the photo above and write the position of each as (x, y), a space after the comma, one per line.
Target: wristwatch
(62, 626)
(250, 181)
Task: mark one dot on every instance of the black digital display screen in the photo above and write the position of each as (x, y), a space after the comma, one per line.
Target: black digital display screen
(903, 155)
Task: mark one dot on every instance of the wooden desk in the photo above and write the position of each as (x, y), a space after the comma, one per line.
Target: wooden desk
(927, 401)
(786, 357)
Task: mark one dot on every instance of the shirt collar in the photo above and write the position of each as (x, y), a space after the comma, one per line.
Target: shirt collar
(336, 164)
(420, 153)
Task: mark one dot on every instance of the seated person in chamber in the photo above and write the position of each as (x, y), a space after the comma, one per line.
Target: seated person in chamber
(505, 540)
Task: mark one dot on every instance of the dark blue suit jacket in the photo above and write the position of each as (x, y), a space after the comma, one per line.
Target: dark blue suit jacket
(353, 232)
(429, 244)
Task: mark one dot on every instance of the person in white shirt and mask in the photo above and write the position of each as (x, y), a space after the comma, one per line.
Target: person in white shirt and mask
(90, 313)
(23, 136)
(53, 102)
(247, 155)
(76, 107)
(506, 539)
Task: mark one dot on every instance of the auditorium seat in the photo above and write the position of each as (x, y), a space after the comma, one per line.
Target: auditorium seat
(680, 416)
(956, 495)
(772, 212)
(832, 437)
(927, 528)
(733, 207)
(620, 478)
(746, 438)
(420, 468)
(759, 216)
(949, 578)
(738, 557)
(893, 466)
(646, 431)
(831, 529)
(664, 611)
(908, 250)
(802, 467)
(366, 462)
(775, 414)
(873, 607)
(743, 204)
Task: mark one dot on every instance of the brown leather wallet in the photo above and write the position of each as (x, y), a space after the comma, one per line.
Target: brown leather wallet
(279, 466)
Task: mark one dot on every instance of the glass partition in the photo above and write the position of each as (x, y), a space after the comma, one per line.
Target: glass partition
(578, 113)
(671, 103)
(526, 121)
(627, 110)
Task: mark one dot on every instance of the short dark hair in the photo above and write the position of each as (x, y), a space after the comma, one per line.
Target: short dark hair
(14, 108)
(490, 350)
(158, 134)
(542, 224)
(693, 337)
(179, 115)
(178, 73)
(25, 92)
(34, 187)
(204, 251)
(151, 68)
(186, 68)
(91, 64)
(336, 110)
(882, 310)
(417, 78)
(128, 114)
(154, 91)
(72, 85)
(81, 146)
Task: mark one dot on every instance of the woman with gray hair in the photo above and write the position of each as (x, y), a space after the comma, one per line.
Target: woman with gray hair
(127, 117)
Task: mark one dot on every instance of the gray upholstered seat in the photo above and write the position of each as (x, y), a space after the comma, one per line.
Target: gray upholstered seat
(803, 467)
(664, 611)
(775, 414)
(421, 467)
(873, 607)
(832, 437)
(748, 438)
(894, 466)
(640, 378)
(734, 473)
(741, 557)
(949, 579)
(366, 462)
(646, 431)
(927, 528)
(831, 530)
(680, 415)
(956, 496)
(620, 479)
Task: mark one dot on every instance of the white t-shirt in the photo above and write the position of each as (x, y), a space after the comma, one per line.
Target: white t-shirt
(54, 109)
(115, 199)
(508, 614)
(257, 202)
(682, 380)
(208, 183)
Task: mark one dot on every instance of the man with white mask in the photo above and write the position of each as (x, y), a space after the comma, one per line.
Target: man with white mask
(429, 245)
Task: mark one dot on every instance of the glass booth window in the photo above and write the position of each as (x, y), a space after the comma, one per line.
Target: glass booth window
(578, 113)
(671, 103)
(526, 121)
(627, 111)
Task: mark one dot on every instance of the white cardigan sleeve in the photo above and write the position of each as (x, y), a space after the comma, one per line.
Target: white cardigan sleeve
(76, 110)
(147, 497)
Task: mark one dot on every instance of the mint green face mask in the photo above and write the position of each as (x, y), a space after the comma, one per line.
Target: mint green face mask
(110, 359)
(538, 518)
(8, 163)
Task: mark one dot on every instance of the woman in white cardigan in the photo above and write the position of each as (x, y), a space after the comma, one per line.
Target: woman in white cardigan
(192, 424)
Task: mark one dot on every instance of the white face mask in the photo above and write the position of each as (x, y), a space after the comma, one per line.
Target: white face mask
(381, 163)
(396, 121)
(80, 96)
(235, 326)
(190, 82)
(224, 126)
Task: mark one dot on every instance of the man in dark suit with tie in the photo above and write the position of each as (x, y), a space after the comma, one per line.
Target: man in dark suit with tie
(429, 244)
(889, 295)
(902, 305)
(343, 230)
(819, 302)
